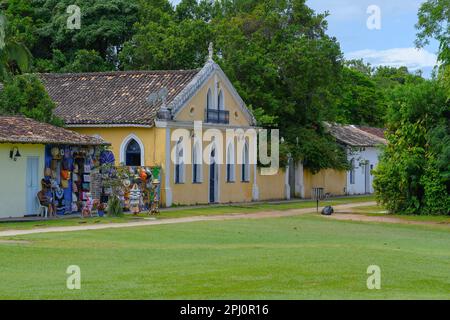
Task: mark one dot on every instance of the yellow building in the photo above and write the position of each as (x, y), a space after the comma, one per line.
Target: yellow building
(177, 120)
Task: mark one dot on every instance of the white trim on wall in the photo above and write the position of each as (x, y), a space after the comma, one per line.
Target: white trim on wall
(123, 147)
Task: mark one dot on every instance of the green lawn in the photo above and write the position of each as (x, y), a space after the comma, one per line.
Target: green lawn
(380, 212)
(185, 212)
(301, 257)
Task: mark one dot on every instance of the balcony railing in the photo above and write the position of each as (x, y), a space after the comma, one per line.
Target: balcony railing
(217, 116)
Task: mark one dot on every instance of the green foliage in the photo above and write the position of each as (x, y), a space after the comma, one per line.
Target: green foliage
(361, 99)
(42, 25)
(14, 56)
(114, 207)
(434, 22)
(25, 95)
(412, 177)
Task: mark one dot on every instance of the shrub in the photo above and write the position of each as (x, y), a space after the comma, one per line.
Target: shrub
(115, 207)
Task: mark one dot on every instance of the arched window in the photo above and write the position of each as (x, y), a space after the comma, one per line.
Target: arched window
(352, 171)
(230, 163)
(246, 163)
(196, 163)
(132, 151)
(220, 102)
(179, 163)
(209, 100)
(133, 154)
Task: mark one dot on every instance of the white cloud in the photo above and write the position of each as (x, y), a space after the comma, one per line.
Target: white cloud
(351, 10)
(412, 58)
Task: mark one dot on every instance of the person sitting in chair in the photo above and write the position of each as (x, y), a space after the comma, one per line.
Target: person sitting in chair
(45, 197)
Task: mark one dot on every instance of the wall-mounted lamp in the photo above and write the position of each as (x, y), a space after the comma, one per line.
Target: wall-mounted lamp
(14, 155)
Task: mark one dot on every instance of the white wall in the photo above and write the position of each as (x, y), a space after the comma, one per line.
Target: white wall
(13, 178)
(366, 154)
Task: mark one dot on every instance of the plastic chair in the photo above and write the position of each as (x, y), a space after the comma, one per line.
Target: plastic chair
(43, 210)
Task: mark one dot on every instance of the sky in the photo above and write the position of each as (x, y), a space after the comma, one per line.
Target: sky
(390, 38)
(392, 44)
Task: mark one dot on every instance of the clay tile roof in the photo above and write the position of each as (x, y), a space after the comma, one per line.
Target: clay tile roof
(113, 97)
(354, 136)
(24, 130)
(379, 132)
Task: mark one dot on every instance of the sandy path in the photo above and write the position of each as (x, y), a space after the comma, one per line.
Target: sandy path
(257, 215)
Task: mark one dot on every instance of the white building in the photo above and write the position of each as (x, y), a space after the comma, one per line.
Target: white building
(363, 146)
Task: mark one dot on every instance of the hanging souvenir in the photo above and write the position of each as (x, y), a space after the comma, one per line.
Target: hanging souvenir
(48, 172)
(126, 183)
(107, 157)
(64, 184)
(55, 152)
(65, 174)
(135, 197)
(59, 193)
(143, 175)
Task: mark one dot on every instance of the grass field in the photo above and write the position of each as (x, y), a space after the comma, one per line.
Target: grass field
(303, 257)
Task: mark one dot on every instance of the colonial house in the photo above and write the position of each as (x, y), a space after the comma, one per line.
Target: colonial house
(140, 112)
(362, 145)
(25, 158)
(363, 151)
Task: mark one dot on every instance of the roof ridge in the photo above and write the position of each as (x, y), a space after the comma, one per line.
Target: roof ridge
(112, 73)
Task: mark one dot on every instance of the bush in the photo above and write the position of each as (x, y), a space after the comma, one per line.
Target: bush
(115, 207)
(413, 174)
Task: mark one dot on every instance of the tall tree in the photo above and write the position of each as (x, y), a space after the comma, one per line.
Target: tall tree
(25, 95)
(434, 22)
(14, 56)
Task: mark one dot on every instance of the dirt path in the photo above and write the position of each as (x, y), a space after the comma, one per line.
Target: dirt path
(258, 215)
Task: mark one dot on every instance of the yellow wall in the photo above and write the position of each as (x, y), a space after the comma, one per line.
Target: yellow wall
(13, 178)
(333, 181)
(198, 105)
(190, 193)
(238, 191)
(150, 137)
(272, 187)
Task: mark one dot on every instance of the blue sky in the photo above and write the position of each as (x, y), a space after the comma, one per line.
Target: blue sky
(392, 44)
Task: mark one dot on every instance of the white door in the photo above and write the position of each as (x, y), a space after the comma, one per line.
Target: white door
(32, 184)
(367, 177)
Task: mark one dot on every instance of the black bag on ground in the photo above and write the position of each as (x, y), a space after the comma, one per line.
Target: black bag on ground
(327, 211)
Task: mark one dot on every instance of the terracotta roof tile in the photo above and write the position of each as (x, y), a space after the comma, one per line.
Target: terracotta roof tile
(379, 132)
(354, 136)
(25, 130)
(113, 97)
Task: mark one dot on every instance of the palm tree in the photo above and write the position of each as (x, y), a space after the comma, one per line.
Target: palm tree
(14, 56)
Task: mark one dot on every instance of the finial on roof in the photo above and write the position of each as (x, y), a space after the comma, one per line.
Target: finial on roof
(210, 51)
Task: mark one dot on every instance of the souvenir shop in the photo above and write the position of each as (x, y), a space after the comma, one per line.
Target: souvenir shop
(72, 175)
(137, 188)
(82, 179)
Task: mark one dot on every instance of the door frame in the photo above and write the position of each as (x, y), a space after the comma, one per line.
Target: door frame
(213, 166)
(367, 177)
(31, 198)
